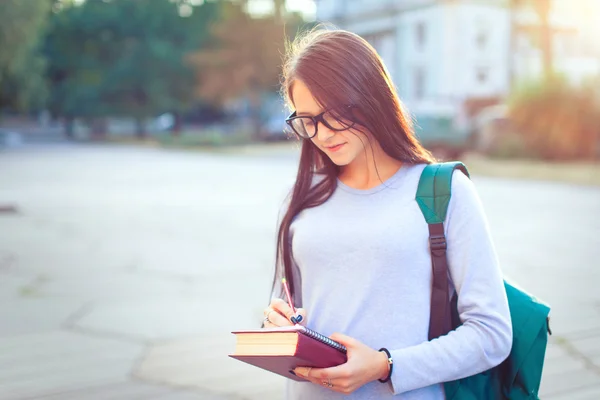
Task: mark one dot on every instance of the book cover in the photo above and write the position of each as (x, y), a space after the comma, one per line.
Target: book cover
(280, 350)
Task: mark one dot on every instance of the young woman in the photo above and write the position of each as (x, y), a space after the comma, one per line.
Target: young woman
(353, 243)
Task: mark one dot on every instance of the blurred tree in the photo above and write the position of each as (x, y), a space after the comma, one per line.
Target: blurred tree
(245, 59)
(151, 74)
(558, 121)
(124, 58)
(21, 67)
(78, 57)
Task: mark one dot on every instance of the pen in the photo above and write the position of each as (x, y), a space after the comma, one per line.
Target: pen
(295, 320)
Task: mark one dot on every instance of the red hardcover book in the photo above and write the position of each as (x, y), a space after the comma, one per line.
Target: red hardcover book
(282, 349)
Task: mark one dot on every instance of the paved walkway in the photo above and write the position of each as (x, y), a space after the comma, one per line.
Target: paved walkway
(125, 269)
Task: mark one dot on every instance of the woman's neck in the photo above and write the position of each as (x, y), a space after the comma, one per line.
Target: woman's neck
(369, 170)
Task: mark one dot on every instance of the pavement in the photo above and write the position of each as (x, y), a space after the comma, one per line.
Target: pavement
(124, 269)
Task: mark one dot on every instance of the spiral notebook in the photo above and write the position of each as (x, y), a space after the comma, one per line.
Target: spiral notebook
(280, 350)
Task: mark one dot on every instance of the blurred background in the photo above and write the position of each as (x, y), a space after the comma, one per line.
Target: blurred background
(143, 161)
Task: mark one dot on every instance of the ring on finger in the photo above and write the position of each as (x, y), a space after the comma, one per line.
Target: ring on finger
(268, 320)
(327, 383)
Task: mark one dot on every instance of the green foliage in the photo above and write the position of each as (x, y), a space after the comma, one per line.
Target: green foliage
(111, 58)
(21, 67)
(245, 58)
(124, 57)
(212, 139)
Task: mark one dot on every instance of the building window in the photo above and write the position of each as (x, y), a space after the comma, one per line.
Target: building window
(385, 45)
(482, 75)
(482, 39)
(419, 83)
(420, 35)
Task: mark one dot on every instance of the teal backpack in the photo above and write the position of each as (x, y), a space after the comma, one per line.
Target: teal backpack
(519, 376)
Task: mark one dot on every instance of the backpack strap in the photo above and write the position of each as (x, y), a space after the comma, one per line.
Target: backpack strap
(433, 197)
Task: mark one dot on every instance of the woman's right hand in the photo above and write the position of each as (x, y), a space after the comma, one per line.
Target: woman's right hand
(279, 313)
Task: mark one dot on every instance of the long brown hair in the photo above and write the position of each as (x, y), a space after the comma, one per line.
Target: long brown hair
(340, 68)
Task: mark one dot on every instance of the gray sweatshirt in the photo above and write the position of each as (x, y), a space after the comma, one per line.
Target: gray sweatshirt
(363, 261)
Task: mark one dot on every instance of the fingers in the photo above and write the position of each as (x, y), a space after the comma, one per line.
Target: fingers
(303, 372)
(334, 379)
(283, 308)
(343, 339)
(318, 374)
(268, 324)
(301, 312)
(309, 374)
(274, 318)
(334, 373)
(279, 313)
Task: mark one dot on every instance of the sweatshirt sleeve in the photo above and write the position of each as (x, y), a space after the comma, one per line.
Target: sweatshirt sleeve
(484, 339)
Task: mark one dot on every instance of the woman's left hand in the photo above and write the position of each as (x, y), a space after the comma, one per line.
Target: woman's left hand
(363, 366)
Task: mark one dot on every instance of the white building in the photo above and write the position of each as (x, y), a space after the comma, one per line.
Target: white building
(576, 49)
(443, 53)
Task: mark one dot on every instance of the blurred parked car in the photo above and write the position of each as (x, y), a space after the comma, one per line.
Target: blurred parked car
(163, 122)
(274, 127)
(489, 126)
(440, 135)
(9, 138)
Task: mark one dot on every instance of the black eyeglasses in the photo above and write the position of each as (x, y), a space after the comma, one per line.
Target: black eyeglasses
(306, 127)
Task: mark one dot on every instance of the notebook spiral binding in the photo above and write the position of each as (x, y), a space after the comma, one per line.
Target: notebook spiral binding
(324, 339)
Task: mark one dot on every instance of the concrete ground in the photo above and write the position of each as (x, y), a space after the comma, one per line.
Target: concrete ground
(123, 270)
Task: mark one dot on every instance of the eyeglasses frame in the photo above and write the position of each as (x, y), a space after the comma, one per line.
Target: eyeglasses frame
(316, 119)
